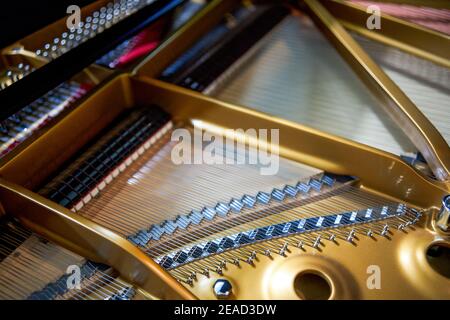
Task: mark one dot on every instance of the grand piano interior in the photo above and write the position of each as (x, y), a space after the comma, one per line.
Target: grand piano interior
(345, 105)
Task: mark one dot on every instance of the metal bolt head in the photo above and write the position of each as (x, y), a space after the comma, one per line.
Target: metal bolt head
(446, 202)
(222, 288)
(443, 219)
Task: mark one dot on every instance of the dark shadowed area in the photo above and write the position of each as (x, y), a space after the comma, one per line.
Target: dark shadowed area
(19, 18)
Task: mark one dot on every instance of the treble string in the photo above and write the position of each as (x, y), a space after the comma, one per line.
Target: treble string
(31, 264)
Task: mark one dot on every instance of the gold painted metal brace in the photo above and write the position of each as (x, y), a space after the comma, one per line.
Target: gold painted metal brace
(399, 107)
(89, 240)
(380, 173)
(385, 214)
(407, 36)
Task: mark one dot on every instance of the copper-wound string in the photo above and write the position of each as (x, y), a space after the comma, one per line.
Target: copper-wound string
(35, 263)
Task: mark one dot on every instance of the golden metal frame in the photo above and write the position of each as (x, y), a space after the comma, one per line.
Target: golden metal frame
(405, 272)
(404, 35)
(398, 106)
(21, 51)
(379, 172)
(90, 240)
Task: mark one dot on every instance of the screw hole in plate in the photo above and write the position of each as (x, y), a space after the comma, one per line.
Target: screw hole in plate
(312, 285)
(438, 256)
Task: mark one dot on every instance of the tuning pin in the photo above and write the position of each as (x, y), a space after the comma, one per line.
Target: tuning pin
(219, 270)
(317, 242)
(385, 230)
(250, 259)
(300, 244)
(15, 118)
(3, 128)
(350, 236)
(284, 249)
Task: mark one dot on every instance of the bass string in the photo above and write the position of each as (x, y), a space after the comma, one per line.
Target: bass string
(26, 278)
(101, 285)
(112, 281)
(35, 264)
(32, 269)
(86, 293)
(11, 236)
(98, 286)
